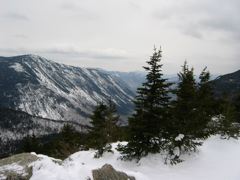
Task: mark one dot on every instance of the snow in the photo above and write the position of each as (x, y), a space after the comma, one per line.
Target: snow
(216, 160)
(11, 167)
(179, 137)
(17, 67)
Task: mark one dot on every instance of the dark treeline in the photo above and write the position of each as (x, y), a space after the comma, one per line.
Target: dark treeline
(159, 123)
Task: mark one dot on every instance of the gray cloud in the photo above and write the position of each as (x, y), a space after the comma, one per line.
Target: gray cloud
(111, 54)
(196, 19)
(230, 27)
(16, 16)
(120, 34)
(20, 36)
(78, 11)
(69, 6)
(134, 5)
(92, 54)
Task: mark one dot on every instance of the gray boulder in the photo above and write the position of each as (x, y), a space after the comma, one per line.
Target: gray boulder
(17, 167)
(107, 172)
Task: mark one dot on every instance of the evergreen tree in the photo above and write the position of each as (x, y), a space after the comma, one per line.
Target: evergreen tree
(112, 118)
(147, 124)
(67, 142)
(185, 122)
(31, 144)
(237, 107)
(69, 139)
(104, 127)
(69, 135)
(228, 127)
(64, 143)
(205, 105)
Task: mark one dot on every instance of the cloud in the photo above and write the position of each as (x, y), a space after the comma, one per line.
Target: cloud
(193, 32)
(16, 16)
(230, 27)
(77, 10)
(20, 36)
(199, 18)
(69, 6)
(134, 5)
(123, 31)
(72, 51)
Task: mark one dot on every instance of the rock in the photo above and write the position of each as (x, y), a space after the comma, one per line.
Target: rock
(17, 167)
(107, 172)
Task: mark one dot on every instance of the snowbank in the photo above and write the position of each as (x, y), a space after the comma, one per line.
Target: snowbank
(216, 160)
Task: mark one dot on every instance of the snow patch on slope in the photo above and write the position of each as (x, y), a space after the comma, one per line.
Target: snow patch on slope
(17, 67)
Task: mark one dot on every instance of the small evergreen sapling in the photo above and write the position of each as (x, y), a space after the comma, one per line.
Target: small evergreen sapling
(228, 127)
(104, 128)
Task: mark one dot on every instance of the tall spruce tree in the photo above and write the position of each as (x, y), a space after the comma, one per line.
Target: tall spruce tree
(185, 121)
(205, 105)
(147, 124)
(104, 127)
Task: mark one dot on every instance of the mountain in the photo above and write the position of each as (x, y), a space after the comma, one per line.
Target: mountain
(16, 125)
(228, 84)
(56, 91)
(133, 79)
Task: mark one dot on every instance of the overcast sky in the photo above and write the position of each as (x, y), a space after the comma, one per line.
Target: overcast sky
(120, 34)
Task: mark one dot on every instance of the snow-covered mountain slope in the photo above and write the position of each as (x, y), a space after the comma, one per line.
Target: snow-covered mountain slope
(51, 90)
(16, 125)
(216, 160)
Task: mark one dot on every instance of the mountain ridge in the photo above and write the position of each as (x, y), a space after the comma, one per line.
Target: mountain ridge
(227, 85)
(56, 91)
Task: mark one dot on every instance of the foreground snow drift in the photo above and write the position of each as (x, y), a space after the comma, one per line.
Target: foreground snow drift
(216, 160)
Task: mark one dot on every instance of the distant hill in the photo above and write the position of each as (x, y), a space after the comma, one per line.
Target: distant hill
(228, 84)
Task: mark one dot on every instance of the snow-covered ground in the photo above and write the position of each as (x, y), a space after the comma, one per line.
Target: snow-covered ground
(216, 160)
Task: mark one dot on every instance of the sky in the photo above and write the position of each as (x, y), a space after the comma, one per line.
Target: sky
(120, 34)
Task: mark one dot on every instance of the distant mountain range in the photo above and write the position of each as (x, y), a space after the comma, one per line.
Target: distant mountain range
(51, 90)
(39, 96)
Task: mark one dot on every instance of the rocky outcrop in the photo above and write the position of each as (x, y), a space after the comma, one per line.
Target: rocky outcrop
(107, 172)
(17, 167)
